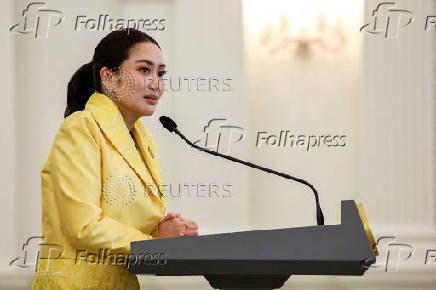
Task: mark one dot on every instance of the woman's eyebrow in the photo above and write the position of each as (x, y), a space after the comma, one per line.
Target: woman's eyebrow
(149, 62)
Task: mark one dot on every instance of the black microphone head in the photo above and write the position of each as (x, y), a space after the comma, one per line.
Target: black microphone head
(168, 123)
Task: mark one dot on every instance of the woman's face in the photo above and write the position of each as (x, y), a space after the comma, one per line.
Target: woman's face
(140, 80)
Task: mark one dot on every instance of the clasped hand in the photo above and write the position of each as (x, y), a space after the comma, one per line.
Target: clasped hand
(173, 225)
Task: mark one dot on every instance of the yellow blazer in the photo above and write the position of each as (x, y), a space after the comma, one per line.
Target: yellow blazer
(99, 193)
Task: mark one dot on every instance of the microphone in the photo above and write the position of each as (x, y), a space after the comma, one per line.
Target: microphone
(171, 126)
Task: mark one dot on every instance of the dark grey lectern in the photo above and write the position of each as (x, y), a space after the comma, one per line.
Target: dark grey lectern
(263, 259)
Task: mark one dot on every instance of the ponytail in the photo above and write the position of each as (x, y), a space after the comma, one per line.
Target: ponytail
(80, 88)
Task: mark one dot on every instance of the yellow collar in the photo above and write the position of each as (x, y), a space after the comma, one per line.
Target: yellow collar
(110, 120)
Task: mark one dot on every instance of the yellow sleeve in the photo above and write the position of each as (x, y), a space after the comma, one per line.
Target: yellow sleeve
(75, 168)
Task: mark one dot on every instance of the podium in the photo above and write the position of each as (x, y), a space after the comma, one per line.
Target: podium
(263, 259)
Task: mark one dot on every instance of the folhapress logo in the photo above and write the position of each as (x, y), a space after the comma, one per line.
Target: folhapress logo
(310, 142)
(387, 20)
(31, 249)
(38, 19)
(216, 132)
(391, 258)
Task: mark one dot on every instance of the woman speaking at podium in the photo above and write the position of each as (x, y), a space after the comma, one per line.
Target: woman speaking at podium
(101, 183)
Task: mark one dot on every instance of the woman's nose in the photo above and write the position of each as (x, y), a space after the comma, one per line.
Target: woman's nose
(152, 83)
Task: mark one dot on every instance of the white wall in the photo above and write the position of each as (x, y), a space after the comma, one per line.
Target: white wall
(207, 43)
(7, 141)
(379, 93)
(316, 95)
(397, 123)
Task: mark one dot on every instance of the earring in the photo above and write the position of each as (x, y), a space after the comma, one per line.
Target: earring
(127, 88)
